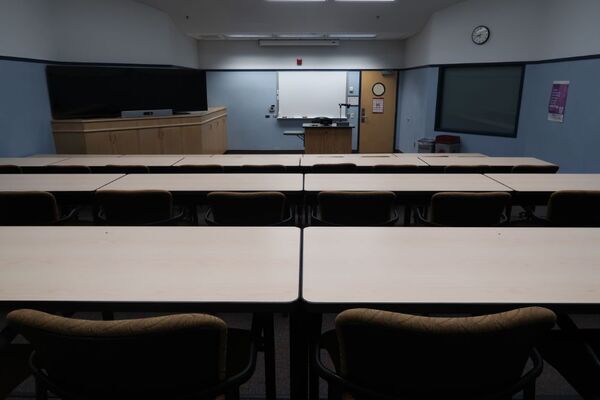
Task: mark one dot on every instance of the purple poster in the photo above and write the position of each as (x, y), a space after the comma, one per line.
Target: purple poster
(558, 101)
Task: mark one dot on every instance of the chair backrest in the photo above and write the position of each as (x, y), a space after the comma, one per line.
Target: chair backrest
(468, 209)
(356, 208)
(10, 169)
(535, 169)
(437, 357)
(64, 169)
(396, 169)
(334, 168)
(199, 169)
(125, 169)
(244, 209)
(267, 168)
(134, 207)
(160, 357)
(466, 169)
(28, 208)
(574, 208)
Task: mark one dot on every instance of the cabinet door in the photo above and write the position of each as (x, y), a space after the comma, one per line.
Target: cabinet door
(150, 141)
(192, 139)
(99, 143)
(172, 141)
(125, 142)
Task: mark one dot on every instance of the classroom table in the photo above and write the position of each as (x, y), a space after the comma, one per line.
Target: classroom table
(535, 189)
(238, 160)
(451, 155)
(362, 160)
(153, 160)
(500, 163)
(447, 270)
(403, 183)
(204, 183)
(157, 269)
(31, 161)
(56, 183)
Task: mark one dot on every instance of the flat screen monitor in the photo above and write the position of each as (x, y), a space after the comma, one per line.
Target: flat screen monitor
(96, 92)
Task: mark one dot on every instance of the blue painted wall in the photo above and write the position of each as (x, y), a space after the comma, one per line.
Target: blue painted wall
(247, 96)
(573, 145)
(24, 109)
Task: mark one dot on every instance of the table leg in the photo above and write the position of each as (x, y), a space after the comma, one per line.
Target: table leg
(315, 323)
(298, 355)
(269, 343)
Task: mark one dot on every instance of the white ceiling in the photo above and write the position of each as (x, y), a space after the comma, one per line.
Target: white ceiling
(395, 20)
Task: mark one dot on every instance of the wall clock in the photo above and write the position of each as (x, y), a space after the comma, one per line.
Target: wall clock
(480, 35)
(378, 89)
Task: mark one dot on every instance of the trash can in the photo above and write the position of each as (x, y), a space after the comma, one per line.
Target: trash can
(425, 145)
(447, 144)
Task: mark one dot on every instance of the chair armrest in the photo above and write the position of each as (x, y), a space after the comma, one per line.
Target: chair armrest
(71, 215)
(421, 220)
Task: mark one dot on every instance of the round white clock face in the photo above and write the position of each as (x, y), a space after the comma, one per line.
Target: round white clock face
(480, 35)
(378, 89)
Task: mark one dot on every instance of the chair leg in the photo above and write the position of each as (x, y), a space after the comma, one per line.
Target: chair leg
(40, 391)
(529, 391)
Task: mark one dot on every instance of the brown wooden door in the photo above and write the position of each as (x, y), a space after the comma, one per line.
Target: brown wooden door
(378, 111)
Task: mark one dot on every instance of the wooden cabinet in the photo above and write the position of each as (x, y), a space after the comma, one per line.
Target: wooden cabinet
(196, 133)
(327, 140)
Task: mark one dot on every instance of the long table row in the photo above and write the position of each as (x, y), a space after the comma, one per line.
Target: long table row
(288, 160)
(303, 273)
(295, 183)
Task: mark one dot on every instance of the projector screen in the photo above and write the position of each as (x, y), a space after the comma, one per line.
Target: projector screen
(309, 94)
(481, 100)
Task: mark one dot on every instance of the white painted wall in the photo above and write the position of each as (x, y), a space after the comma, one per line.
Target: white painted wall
(26, 30)
(107, 31)
(522, 30)
(236, 55)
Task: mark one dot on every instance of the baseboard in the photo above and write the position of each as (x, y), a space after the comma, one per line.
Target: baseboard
(264, 152)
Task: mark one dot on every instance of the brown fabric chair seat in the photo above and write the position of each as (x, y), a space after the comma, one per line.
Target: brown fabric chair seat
(10, 169)
(28, 208)
(574, 208)
(396, 169)
(125, 169)
(151, 358)
(468, 209)
(341, 168)
(247, 209)
(466, 169)
(355, 208)
(450, 358)
(136, 207)
(535, 169)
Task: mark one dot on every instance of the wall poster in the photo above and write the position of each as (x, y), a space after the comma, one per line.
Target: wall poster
(558, 101)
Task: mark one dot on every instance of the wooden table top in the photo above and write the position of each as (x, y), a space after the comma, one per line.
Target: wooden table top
(237, 160)
(490, 161)
(55, 182)
(402, 182)
(210, 182)
(451, 265)
(30, 161)
(154, 265)
(362, 160)
(147, 160)
(548, 182)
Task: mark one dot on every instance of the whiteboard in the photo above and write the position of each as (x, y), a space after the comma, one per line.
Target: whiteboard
(310, 94)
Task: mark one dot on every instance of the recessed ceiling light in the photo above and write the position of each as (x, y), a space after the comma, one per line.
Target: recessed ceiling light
(353, 35)
(247, 36)
(301, 35)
